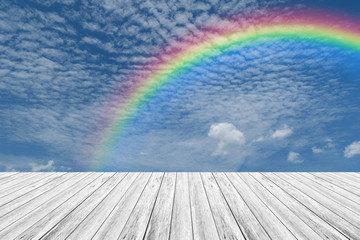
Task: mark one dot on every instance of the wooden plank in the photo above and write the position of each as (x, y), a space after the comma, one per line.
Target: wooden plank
(25, 183)
(355, 174)
(354, 178)
(89, 226)
(248, 223)
(2, 174)
(322, 197)
(326, 214)
(332, 181)
(34, 215)
(273, 226)
(67, 222)
(21, 185)
(322, 184)
(18, 178)
(137, 223)
(6, 175)
(179, 206)
(7, 199)
(20, 205)
(160, 221)
(320, 226)
(13, 177)
(340, 184)
(226, 224)
(181, 223)
(203, 222)
(113, 225)
(297, 226)
(346, 181)
(347, 203)
(39, 228)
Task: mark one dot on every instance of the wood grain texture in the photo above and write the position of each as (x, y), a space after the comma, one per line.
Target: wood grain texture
(225, 222)
(50, 220)
(245, 218)
(161, 215)
(68, 223)
(18, 178)
(349, 176)
(204, 226)
(274, 227)
(347, 193)
(137, 223)
(179, 205)
(21, 185)
(295, 224)
(42, 209)
(5, 175)
(336, 182)
(328, 215)
(87, 228)
(28, 189)
(320, 226)
(117, 219)
(342, 179)
(326, 198)
(343, 197)
(27, 203)
(181, 222)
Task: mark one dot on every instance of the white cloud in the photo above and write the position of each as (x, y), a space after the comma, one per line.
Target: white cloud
(63, 168)
(10, 168)
(352, 150)
(282, 133)
(260, 139)
(22, 163)
(38, 167)
(294, 157)
(317, 150)
(227, 134)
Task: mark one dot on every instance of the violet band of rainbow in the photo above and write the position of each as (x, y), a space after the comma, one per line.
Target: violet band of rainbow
(185, 53)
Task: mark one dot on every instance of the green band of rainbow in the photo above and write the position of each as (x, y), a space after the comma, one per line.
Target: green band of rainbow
(188, 52)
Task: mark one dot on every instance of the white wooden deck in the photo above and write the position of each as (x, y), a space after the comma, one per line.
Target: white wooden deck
(179, 206)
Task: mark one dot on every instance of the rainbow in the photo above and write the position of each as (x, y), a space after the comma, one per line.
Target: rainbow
(181, 54)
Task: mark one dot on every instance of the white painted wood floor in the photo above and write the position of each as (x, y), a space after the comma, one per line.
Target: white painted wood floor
(179, 205)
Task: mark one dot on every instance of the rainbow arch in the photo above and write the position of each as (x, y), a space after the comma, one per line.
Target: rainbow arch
(181, 54)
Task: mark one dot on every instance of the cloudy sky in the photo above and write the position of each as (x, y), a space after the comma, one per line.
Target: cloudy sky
(284, 105)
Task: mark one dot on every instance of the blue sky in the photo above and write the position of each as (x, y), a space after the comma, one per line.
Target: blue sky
(276, 106)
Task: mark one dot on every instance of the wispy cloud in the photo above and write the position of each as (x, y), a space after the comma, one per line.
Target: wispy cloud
(317, 150)
(22, 163)
(294, 157)
(10, 168)
(260, 139)
(352, 150)
(47, 167)
(282, 133)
